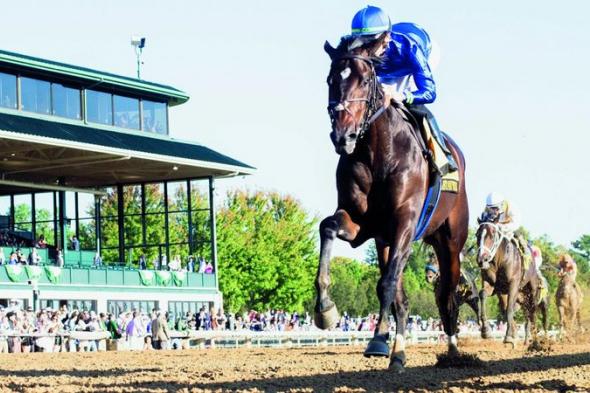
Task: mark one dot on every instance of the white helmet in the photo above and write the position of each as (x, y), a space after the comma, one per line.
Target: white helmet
(494, 199)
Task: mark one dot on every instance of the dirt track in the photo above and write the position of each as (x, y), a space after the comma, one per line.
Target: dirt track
(564, 368)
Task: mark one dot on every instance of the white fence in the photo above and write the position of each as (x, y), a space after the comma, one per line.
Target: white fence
(248, 339)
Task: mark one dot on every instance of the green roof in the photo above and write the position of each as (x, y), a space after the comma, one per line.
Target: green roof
(83, 74)
(140, 141)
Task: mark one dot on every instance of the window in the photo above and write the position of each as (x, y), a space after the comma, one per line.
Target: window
(117, 307)
(126, 112)
(154, 117)
(66, 101)
(7, 90)
(99, 107)
(35, 95)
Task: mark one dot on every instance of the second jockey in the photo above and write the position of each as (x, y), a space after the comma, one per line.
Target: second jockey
(404, 71)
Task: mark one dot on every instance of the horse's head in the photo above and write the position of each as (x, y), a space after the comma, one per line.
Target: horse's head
(354, 92)
(488, 238)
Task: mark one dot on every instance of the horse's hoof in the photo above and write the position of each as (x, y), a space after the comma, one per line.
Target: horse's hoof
(377, 347)
(327, 319)
(397, 365)
(453, 351)
(510, 340)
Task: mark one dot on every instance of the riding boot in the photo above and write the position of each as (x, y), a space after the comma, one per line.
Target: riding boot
(423, 112)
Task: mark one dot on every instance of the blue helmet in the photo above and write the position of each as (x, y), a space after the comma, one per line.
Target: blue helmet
(370, 20)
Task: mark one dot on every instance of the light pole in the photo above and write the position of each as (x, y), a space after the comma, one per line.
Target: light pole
(138, 43)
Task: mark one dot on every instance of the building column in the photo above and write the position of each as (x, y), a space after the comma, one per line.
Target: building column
(213, 228)
(62, 219)
(121, 223)
(97, 222)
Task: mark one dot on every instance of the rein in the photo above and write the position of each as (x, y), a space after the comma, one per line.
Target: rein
(499, 235)
(374, 107)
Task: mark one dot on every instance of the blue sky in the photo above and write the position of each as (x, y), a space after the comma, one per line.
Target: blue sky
(512, 87)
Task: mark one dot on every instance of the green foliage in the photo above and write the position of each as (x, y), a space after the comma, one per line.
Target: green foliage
(266, 252)
(354, 285)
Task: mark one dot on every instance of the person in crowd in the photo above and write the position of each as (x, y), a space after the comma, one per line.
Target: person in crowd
(41, 243)
(97, 260)
(209, 268)
(202, 265)
(2, 257)
(190, 265)
(113, 327)
(21, 257)
(142, 262)
(160, 331)
(164, 262)
(13, 260)
(75, 243)
(4, 331)
(175, 263)
(59, 261)
(33, 258)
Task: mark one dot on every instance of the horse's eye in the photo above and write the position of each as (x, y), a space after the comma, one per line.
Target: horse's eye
(365, 82)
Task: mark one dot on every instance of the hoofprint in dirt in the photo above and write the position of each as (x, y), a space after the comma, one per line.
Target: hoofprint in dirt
(564, 367)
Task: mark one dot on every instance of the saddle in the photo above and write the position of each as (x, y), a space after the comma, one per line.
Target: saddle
(432, 150)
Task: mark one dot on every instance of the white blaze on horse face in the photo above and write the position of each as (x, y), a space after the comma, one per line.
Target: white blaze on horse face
(482, 241)
(345, 73)
(339, 107)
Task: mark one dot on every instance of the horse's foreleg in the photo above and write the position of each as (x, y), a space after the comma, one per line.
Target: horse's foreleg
(510, 337)
(483, 315)
(340, 224)
(390, 293)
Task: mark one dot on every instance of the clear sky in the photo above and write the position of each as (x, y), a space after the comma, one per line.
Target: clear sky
(512, 83)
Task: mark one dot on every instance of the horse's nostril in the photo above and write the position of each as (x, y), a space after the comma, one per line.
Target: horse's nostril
(352, 136)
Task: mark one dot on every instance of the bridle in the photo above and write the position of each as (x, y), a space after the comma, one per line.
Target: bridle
(499, 235)
(374, 99)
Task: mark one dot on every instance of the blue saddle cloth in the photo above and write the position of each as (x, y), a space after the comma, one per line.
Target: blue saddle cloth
(430, 204)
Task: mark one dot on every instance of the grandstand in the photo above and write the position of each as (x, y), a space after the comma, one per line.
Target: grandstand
(98, 197)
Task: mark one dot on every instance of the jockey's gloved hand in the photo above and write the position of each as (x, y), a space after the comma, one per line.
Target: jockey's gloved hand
(398, 97)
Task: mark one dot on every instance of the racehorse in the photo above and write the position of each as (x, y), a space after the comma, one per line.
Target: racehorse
(503, 273)
(382, 180)
(569, 300)
(466, 292)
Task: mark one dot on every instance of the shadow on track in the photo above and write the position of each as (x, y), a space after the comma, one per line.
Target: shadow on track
(423, 377)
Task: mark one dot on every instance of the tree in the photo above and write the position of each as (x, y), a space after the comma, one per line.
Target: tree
(267, 252)
(581, 251)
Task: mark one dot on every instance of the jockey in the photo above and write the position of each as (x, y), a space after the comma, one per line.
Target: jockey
(404, 72)
(567, 265)
(500, 211)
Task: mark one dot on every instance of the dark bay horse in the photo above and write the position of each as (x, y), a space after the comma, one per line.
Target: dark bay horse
(503, 273)
(382, 180)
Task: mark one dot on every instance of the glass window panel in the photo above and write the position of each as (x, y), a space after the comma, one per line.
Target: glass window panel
(132, 199)
(71, 205)
(4, 205)
(152, 255)
(99, 107)
(7, 90)
(201, 226)
(133, 231)
(22, 208)
(66, 101)
(109, 255)
(199, 194)
(109, 203)
(126, 112)
(44, 206)
(87, 230)
(45, 231)
(154, 198)
(177, 196)
(35, 95)
(86, 206)
(155, 233)
(178, 227)
(182, 251)
(109, 233)
(155, 117)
